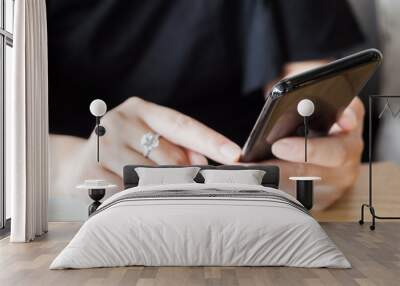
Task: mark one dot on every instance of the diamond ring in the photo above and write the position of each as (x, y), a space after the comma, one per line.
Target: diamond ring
(149, 141)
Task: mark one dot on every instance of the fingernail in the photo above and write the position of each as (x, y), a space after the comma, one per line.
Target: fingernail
(230, 151)
(282, 148)
(197, 159)
(349, 119)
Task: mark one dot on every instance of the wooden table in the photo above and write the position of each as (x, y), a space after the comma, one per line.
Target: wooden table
(386, 195)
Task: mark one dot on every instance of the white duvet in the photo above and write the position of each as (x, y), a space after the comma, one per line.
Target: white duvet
(200, 231)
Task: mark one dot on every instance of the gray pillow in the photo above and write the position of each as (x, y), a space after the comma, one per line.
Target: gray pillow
(246, 177)
(162, 176)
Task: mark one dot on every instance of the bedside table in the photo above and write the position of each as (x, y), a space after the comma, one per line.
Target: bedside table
(96, 190)
(305, 190)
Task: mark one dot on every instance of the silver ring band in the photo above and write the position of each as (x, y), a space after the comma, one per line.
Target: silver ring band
(149, 141)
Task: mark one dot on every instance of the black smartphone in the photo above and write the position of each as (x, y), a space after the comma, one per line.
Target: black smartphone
(330, 87)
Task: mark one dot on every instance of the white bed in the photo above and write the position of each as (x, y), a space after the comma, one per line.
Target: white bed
(182, 230)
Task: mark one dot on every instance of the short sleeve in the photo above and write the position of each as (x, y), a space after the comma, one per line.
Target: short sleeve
(311, 29)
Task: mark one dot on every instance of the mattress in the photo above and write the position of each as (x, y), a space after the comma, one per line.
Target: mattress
(201, 225)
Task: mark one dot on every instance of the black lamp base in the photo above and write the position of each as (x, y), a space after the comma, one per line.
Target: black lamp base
(96, 195)
(305, 193)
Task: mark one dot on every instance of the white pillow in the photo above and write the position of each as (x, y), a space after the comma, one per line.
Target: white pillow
(162, 176)
(247, 177)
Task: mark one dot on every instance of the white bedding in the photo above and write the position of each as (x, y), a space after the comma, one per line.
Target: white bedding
(183, 231)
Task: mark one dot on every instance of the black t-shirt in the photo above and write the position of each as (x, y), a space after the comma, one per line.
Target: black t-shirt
(206, 58)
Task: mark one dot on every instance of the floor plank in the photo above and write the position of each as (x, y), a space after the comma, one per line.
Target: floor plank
(375, 257)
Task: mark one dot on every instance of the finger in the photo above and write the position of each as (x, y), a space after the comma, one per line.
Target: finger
(353, 116)
(335, 129)
(166, 153)
(358, 107)
(90, 169)
(289, 169)
(334, 182)
(331, 151)
(116, 158)
(185, 131)
(106, 175)
(196, 158)
(324, 191)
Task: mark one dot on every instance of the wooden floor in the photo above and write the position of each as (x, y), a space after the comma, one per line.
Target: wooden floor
(375, 257)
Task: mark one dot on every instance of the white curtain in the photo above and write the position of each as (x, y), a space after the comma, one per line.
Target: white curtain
(27, 123)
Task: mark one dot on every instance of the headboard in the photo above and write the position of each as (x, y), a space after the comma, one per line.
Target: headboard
(270, 179)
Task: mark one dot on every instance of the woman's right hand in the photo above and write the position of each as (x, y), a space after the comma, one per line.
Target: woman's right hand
(183, 141)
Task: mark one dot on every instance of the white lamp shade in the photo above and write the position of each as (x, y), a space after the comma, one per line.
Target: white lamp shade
(98, 107)
(305, 107)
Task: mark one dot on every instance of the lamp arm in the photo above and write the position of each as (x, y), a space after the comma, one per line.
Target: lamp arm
(305, 137)
(98, 137)
(100, 131)
(98, 148)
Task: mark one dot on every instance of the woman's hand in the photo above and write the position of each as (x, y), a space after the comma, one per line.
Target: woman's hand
(182, 141)
(335, 158)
